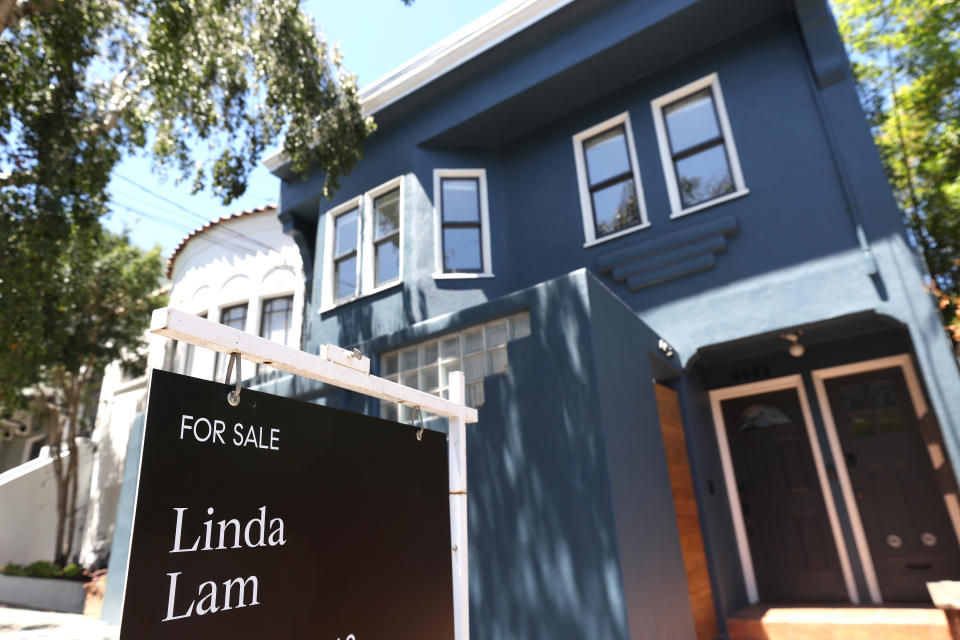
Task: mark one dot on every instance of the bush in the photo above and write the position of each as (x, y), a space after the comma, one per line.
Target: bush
(44, 569)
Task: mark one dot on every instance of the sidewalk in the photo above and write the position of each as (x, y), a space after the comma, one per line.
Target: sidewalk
(26, 624)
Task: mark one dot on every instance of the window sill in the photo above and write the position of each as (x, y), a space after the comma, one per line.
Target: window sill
(461, 276)
(364, 294)
(614, 236)
(710, 203)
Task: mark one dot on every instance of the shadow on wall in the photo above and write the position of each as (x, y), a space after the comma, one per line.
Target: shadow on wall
(544, 560)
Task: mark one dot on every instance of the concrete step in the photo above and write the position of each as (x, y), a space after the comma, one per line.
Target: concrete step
(769, 622)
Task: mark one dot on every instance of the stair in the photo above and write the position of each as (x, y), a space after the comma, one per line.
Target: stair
(767, 622)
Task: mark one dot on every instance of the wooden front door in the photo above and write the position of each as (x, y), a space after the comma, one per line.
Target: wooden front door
(908, 530)
(791, 545)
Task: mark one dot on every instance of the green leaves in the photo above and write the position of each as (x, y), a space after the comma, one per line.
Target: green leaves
(906, 57)
(207, 84)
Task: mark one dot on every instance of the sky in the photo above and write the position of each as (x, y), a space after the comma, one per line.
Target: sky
(375, 36)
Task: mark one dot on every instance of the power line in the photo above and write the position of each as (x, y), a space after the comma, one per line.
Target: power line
(205, 238)
(192, 213)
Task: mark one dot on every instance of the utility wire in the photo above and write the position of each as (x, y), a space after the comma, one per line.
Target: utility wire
(163, 220)
(192, 213)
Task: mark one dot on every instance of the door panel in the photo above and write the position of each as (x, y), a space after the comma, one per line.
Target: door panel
(791, 544)
(908, 531)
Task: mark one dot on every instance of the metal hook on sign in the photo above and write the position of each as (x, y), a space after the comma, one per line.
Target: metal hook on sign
(418, 414)
(234, 396)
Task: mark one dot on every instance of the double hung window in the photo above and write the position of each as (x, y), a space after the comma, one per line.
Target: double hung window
(276, 321)
(611, 196)
(234, 317)
(345, 249)
(696, 147)
(386, 237)
(363, 246)
(462, 223)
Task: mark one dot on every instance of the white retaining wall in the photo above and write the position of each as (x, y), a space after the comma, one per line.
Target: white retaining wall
(28, 507)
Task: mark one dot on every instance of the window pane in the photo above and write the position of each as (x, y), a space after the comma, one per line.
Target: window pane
(704, 176)
(429, 353)
(408, 359)
(473, 340)
(496, 334)
(277, 319)
(388, 260)
(386, 214)
(389, 364)
(409, 379)
(498, 360)
(606, 155)
(429, 379)
(474, 367)
(235, 317)
(691, 121)
(446, 369)
(461, 250)
(450, 347)
(475, 394)
(460, 199)
(346, 277)
(615, 207)
(520, 326)
(346, 232)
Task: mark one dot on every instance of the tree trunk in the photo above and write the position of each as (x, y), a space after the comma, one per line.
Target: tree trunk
(55, 438)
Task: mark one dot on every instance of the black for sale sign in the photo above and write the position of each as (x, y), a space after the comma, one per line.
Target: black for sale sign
(284, 519)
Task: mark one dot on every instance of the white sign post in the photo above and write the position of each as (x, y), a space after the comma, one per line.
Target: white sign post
(351, 370)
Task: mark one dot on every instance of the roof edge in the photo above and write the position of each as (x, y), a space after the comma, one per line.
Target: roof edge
(464, 44)
(209, 225)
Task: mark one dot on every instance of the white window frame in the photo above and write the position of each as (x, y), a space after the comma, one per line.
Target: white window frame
(485, 253)
(666, 157)
(586, 202)
(328, 297)
(366, 258)
(368, 262)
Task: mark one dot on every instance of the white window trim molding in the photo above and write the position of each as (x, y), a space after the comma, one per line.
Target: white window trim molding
(937, 455)
(666, 158)
(733, 496)
(586, 205)
(368, 259)
(327, 299)
(485, 252)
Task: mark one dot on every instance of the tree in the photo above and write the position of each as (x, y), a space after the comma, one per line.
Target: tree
(99, 315)
(906, 58)
(205, 85)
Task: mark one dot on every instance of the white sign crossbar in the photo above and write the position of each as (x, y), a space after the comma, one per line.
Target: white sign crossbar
(201, 332)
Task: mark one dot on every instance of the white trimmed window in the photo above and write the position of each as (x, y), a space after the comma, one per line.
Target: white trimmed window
(235, 317)
(461, 223)
(363, 242)
(611, 194)
(700, 162)
(479, 351)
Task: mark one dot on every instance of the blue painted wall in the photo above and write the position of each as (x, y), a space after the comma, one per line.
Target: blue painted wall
(818, 245)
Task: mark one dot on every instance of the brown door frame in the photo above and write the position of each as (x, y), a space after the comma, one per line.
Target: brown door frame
(936, 452)
(743, 545)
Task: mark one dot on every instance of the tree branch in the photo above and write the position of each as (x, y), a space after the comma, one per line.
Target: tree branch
(13, 11)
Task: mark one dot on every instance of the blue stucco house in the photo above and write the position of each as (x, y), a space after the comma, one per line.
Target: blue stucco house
(659, 241)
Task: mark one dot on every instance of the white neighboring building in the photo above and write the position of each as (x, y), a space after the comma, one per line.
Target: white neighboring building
(241, 270)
